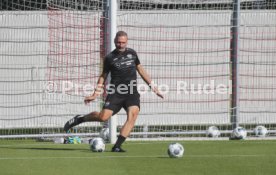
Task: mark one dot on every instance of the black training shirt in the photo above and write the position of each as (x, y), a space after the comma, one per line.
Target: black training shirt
(122, 66)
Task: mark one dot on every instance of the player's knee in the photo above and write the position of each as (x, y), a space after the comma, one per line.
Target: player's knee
(133, 116)
(103, 118)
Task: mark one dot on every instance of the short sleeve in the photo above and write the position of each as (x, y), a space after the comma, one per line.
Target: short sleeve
(106, 66)
(137, 61)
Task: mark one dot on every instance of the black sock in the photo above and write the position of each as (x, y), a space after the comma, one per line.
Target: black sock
(119, 141)
(80, 119)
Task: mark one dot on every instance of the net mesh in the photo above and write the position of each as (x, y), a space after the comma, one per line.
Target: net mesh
(52, 50)
(51, 57)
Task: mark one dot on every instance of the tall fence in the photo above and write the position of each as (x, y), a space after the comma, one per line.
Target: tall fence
(51, 53)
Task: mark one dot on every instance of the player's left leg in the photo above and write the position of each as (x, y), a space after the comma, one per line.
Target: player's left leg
(132, 114)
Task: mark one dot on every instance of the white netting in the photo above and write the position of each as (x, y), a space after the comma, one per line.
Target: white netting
(179, 42)
(43, 52)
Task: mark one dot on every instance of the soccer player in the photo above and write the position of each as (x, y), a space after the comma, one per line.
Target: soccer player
(122, 63)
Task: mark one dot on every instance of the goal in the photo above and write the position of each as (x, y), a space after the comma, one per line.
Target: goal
(52, 53)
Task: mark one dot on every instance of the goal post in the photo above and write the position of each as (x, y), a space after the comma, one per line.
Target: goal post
(51, 55)
(234, 59)
(112, 18)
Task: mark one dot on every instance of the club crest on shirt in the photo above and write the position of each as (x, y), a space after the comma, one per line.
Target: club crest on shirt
(129, 55)
(107, 103)
(118, 65)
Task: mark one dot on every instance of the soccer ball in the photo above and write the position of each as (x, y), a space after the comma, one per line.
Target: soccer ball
(239, 133)
(97, 145)
(104, 134)
(213, 131)
(59, 140)
(260, 131)
(175, 150)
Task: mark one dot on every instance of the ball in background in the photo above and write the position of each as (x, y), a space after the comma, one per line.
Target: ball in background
(104, 134)
(175, 150)
(59, 140)
(260, 131)
(239, 133)
(213, 131)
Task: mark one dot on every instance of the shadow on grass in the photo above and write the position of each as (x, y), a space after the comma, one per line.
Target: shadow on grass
(46, 148)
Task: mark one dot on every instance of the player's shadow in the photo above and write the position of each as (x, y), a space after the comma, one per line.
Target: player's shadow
(54, 149)
(46, 148)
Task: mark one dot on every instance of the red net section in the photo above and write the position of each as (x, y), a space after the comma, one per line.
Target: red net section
(74, 53)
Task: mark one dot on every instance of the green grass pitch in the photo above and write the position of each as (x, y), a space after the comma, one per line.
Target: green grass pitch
(142, 158)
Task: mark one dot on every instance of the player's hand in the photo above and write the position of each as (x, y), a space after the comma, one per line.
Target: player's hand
(160, 95)
(88, 99)
(156, 91)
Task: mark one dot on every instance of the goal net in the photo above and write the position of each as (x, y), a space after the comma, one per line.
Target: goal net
(52, 52)
(186, 46)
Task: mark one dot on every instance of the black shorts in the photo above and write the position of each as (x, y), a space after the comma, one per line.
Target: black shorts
(116, 102)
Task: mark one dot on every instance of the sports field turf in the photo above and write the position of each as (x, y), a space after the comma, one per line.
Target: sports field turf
(142, 158)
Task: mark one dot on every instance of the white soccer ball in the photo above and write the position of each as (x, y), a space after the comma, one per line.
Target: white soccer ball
(97, 145)
(104, 134)
(239, 133)
(175, 150)
(59, 140)
(213, 131)
(260, 131)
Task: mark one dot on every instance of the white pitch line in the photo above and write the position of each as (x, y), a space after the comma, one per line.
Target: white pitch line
(22, 145)
(156, 156)
(223, 156)
(42, 158)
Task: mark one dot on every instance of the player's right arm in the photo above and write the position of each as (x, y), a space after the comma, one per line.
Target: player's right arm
(98, 90)
(100, 83)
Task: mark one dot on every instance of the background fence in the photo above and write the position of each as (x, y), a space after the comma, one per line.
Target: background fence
(48, 45)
